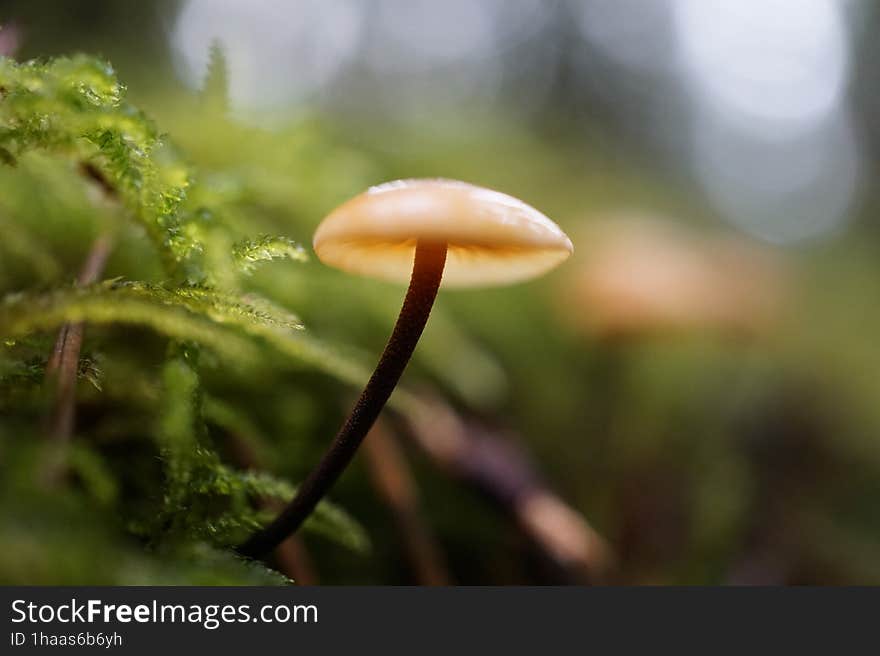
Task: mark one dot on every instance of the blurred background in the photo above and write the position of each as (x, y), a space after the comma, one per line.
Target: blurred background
(693, 398)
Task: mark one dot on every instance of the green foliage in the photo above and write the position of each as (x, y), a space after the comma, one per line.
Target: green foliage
(234, 327)
(207, 500)
(69, 117)
(75, 107)
(218, 362)
(250, 252)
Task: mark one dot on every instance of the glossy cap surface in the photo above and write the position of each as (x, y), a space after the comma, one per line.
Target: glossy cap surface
(492, 238)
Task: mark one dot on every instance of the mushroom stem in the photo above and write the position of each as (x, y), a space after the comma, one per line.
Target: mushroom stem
(430, 259)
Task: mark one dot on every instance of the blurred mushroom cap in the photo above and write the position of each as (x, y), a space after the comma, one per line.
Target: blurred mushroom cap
(642, 276)
(492, 238)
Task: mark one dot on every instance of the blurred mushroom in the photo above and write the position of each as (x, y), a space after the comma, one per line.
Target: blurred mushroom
(643, 276)
(424, 231)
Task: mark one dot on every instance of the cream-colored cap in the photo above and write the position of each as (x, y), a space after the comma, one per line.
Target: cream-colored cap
(646, 275)
(492, 238)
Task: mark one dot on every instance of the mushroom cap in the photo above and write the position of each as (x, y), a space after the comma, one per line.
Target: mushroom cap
(647, 275)
(492, 238)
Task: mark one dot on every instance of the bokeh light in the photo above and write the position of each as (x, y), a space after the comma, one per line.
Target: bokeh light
(771, 138)
(775, 65)
(635, 35)
(780, 190)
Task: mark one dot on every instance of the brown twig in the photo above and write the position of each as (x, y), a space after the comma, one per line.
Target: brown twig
(394, 483)
(11, 38)
(292, 558)
(496, 467)
(63, 366)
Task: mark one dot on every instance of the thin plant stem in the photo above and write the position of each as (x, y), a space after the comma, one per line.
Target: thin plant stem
(64, 362)
(430, 259)
(490, 462)
(394, 483)
(63, 366)
(293, 559)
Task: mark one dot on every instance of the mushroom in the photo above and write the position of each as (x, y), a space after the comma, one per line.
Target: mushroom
(424, 231)
(645, 276)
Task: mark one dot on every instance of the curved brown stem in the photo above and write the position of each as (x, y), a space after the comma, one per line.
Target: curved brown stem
(430, 259)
